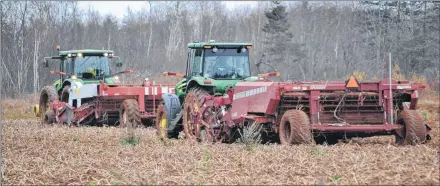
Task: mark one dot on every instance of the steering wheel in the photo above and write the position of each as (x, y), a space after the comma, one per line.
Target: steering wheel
(239, 71)
(221, 70)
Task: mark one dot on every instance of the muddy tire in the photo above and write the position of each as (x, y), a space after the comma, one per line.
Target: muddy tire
(130, 116)
(414, 128)
(193, 102)
(295, 128)
(47, 96)
(48, 118)
(65, 94)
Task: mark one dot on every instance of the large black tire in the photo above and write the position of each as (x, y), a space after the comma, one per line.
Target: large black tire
(414, 128)
(198, 94)
(130, 116)
(295, 128)
(166, 113)
(47, 96)
(65, 94)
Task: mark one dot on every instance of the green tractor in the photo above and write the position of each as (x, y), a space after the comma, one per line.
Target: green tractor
(77, 67)
(212, 69)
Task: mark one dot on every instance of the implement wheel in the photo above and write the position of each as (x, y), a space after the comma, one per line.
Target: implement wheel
(130, 116)
(47, 96)
(193, 128)
(295, 128)
(414, 128)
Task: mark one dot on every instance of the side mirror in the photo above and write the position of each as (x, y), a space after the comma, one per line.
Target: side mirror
(118, 62)
(46, 63)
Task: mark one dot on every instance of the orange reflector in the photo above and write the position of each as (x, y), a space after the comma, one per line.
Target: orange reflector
(207, 46)
(173, 74)
(249, 47)
(352, 83)
(269, 74)
(58, 47)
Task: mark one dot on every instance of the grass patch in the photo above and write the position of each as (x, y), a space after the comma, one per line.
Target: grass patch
(335, 177)
(130, 141)
(318, 151)
(17, 113)
(251, 135)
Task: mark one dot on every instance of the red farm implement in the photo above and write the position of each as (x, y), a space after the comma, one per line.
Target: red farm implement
(309, 112)
(117, 104)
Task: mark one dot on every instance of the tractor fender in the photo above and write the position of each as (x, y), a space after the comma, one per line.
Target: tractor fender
(199, 82)
(172, 108)
(71, 82)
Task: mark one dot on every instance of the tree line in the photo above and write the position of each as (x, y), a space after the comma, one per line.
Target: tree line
(303, 40)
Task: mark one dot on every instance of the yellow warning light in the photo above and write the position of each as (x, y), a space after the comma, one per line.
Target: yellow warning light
(352, 83)
(58, 47)
(207, 46)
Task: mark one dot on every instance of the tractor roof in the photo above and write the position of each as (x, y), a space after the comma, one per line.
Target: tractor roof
(213, 43)
(85, 51)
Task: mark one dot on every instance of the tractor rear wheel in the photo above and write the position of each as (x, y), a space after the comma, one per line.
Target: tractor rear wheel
(414, 128)
(47, 96)
(192, 116)
(130, 116)
(295, 128)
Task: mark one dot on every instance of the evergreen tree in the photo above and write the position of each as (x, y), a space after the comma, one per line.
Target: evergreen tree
(279, 45)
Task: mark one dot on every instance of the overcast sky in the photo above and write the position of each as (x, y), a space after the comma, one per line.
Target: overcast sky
(118, 8)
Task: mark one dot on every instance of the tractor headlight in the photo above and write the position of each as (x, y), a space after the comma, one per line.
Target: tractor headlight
(79, 55)
(105, 54)
(116, 78)
(73, 77)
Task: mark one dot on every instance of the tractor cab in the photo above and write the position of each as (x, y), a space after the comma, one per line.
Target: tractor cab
(219, 60)
(214, 66)
(85, 66)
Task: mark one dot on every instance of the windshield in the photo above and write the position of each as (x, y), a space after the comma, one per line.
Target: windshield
(226, 64)
(90, 67)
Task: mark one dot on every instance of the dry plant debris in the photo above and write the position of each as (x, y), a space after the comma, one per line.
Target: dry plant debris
(38, 154)
(46, 154)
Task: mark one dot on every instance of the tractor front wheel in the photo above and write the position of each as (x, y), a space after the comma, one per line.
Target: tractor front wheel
(48, 96)
(65, 94)
(130, 116)
(414, 128)
(161, 122)
(295, 128)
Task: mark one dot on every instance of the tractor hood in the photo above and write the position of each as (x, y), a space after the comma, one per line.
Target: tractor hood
(110, 81)
(221, 84)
